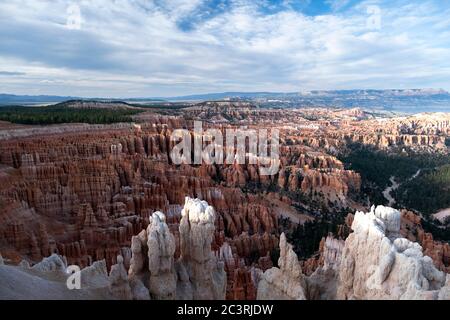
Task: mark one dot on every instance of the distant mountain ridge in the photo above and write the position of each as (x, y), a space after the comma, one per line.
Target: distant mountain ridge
(11, 99)
(22, 99)
(407, 100)
(361, 92)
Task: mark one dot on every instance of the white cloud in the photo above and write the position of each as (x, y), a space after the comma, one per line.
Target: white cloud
(337, 4)
(137, 47)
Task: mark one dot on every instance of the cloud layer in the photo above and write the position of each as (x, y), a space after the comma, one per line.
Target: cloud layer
(137, 48)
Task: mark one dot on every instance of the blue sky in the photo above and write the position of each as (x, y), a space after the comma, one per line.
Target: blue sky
(142, 48)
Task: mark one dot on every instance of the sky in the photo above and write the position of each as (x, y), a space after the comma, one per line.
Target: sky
(161, 48)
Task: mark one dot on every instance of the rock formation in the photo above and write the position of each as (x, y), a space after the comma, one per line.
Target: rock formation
(322, 283)
(377, 263)
(411, 228)
(152, 261)
(374, 262)
(48, 280)
(86, 192)
(241, 280)
(161, 248)
(119, 284)
(286, 282)
(206, 276)
(197, 274)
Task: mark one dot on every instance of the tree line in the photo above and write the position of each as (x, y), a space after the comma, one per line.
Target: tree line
(63, 114)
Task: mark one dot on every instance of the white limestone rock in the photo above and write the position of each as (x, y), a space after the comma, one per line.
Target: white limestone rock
(196, 275)
(444, 293)
(136, 273)
(161, 249)
(137, 256)
(48, 280)
(286, 282)
(95, 275)
(378, 264)
(390, 218)
(200, 274)
(322, 283)
(138, 289)
(127, 254)
(24, 264)
(332, 253)
(54, 263)
(184, 285)
(119, 284)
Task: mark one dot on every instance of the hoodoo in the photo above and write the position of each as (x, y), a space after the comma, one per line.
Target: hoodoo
(375, 262)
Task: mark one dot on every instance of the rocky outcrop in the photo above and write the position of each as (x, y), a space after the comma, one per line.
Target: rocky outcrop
(152, 261)
(379, 264)
(438, 251)
(206, 277)
(54, 263)
(241, 284)
(161, 249)
(119, 284)
(411, 228)
(48, 279)
(286, 282)
(197, 274)
(374, 262)
(332, 253)
(322, 283)
(444, 293)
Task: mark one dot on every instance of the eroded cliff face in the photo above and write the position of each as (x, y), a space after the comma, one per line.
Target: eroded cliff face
(374, 262)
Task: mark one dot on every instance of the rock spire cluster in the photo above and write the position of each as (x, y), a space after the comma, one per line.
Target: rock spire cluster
(374, 262)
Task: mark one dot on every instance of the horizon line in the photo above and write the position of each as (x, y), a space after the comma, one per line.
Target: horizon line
(217, 93)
